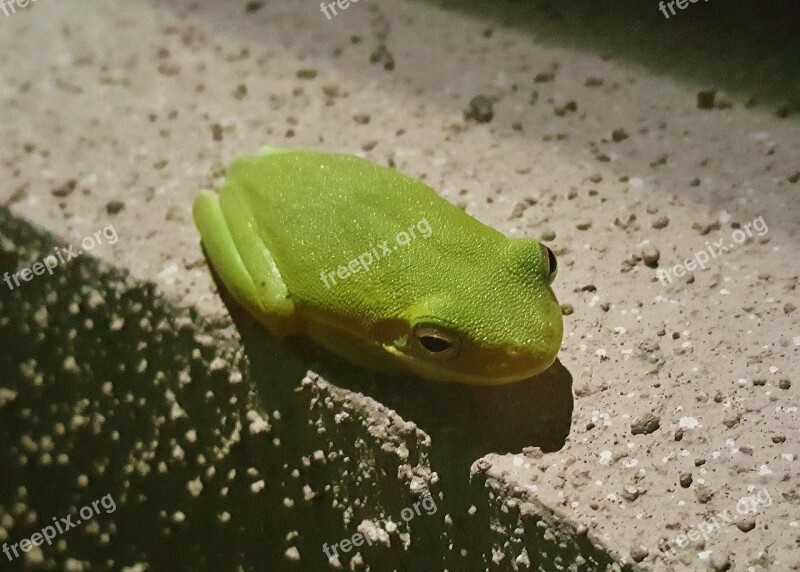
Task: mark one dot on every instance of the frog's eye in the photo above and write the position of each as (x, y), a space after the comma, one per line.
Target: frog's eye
(552, 265)
(436, 342)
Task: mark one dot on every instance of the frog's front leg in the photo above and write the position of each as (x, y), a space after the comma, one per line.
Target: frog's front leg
(242, 260)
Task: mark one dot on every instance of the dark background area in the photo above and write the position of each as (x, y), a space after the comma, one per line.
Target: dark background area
(746, 48)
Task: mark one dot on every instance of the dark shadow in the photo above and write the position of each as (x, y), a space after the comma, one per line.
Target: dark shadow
(110, 360)
(127, 348)
(464, 423)
(743, 47)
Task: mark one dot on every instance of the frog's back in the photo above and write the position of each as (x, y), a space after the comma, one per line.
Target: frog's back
(318, 211)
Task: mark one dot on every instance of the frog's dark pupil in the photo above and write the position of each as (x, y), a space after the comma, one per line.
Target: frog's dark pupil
(551, 260)
(434, 344)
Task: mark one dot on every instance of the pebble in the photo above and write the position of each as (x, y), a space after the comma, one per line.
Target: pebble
(720, 562)
(650, 256)
(645, 424)
(661, 222)
(639, 553)
(630, 493)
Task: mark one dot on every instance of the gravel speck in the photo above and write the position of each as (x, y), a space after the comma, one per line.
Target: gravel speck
(703, 494)
(252, 7)
(619, 135)
(705, 99)
(65, 189)
(115, 206)
(661, 222)
(731, 420)
(306, 73)
(384, 56)
(480, 109)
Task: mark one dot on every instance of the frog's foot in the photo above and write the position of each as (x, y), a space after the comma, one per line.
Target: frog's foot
(243, 262)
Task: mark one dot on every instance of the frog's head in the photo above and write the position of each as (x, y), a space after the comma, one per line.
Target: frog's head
(498, 323)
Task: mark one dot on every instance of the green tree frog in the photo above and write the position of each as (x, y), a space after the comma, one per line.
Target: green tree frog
(378, 268)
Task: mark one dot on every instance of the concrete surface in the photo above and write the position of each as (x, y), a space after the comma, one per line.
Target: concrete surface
(671, 402)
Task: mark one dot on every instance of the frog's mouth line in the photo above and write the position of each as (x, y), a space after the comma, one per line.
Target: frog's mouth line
(435, 371)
